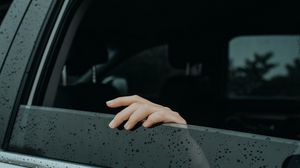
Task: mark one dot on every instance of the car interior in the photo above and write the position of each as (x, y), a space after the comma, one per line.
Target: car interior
(181, 59)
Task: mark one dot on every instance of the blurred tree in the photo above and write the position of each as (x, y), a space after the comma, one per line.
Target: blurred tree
(245, 80)
(250, 79)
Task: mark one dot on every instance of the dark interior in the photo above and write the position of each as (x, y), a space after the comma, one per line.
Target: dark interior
(117, 37)
(4, 5)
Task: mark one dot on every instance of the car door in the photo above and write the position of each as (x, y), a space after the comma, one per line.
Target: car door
(20, 33)
(35, 135)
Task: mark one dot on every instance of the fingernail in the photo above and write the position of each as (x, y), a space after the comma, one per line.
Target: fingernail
(127, 126)
(109, 102)
(111, 124)
(145, 124)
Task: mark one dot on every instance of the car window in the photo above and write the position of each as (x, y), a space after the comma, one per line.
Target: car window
(263, 82)
(155, 68)
(97, 67)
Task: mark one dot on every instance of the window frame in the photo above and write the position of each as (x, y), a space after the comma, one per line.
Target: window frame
(47, 84)
(14, 25)
(19, 10)
(26, 38)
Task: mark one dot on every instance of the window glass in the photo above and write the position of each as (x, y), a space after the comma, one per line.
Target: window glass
(264, 66)
(102, 64)
(56, 133)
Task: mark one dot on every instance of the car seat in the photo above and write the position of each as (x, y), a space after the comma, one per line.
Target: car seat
(195, 95)
(88, 50)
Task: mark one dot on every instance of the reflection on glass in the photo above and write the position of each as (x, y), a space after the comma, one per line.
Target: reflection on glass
(264, 66)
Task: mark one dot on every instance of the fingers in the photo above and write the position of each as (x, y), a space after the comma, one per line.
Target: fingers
(177, 118)
(153, 119)
(140, 109)
(163, 117)
(137, 116)
(125, 101)
(123, 115)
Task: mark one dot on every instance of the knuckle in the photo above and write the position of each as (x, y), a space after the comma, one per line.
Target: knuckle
(158, 115)
(135, 104)
(133, 120)
(120, 116)
(145, 106)
(151, 119)
(136, 97)
(162, 113)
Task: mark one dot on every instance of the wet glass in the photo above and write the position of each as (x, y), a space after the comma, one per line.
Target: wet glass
(85, 137)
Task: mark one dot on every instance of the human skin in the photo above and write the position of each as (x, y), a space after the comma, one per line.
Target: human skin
(138, 109)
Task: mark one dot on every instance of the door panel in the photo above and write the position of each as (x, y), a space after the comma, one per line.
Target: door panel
(8, 29)
(85, 137)
(10, 25)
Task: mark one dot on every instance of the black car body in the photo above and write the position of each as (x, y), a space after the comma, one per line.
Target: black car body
(61, 60)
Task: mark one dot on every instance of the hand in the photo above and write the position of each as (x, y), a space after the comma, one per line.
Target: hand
(139, 109)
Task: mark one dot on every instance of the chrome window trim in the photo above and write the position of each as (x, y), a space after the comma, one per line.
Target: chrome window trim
(22, 160)
(47, 49)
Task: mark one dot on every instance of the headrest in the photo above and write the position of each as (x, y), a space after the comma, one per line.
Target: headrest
(189, 51)
(87, 51)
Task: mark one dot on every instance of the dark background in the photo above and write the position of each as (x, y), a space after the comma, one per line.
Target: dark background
(4, 5)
